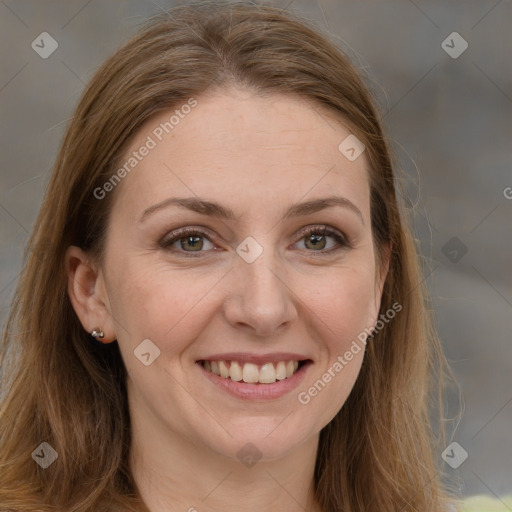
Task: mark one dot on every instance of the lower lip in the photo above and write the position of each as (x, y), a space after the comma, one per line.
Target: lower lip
(257, 391)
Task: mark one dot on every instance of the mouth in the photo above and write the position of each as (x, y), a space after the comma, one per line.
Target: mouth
(253, 380)
(251, 373)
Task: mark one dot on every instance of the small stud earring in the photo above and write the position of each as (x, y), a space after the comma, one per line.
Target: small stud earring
(97, 333)
(96, 338)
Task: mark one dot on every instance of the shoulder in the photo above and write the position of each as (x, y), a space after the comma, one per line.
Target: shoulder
(486, 504)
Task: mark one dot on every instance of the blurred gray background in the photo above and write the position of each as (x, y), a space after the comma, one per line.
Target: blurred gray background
(446, 109)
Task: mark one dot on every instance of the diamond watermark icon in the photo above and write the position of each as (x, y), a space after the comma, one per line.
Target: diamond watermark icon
(454, 249)
(44, 45)
(454, 45)
(249, 455)
(147, 352)
(45, 455)
(454, 455)
(249, 250)
(351, 147)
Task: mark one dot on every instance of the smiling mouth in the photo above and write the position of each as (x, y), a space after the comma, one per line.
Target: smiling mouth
(250, 373)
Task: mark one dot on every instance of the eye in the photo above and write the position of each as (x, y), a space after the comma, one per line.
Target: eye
(188, 240)
(315, 238)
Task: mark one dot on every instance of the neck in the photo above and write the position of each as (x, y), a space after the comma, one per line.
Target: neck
(174, 473)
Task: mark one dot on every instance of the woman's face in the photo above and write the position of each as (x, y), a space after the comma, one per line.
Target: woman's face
(249, 286)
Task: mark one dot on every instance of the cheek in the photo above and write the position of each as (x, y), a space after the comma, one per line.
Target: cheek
(167, 306)
(340, 309)
(343, 302)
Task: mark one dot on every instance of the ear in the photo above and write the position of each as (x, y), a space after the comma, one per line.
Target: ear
(380, 279)
(87, 292)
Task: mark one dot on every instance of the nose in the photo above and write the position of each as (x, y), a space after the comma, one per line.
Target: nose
(261, 298)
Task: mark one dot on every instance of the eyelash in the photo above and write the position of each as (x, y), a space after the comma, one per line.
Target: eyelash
(317, 230)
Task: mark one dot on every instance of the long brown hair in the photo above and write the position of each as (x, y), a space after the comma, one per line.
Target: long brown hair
(378, 452)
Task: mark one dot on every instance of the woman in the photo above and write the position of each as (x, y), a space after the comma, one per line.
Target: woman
(222, 306)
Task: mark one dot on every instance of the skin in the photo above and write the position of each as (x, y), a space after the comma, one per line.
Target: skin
(256, 155)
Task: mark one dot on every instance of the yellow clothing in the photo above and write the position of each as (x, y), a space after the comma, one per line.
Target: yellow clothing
(487, 504)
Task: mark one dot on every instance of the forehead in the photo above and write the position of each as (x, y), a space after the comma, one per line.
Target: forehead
(236, 144)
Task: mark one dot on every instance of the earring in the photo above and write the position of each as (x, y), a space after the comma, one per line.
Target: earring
(96, 338)
(97, 333)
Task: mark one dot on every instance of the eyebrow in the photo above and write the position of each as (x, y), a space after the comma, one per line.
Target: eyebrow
(213, 209)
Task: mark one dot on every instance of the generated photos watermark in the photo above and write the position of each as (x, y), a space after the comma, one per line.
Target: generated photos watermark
(151, 142)
(304, 397)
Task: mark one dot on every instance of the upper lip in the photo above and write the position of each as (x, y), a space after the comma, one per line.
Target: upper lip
(247, 357)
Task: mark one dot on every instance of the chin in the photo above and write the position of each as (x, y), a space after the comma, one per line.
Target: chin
(261, 438)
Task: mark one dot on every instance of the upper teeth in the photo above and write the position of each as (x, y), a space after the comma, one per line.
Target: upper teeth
(267, 373)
